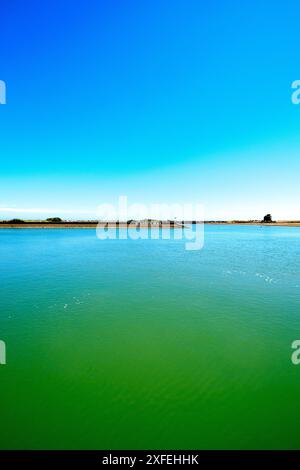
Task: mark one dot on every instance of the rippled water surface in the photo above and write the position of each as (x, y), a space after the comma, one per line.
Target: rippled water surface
(142, 344)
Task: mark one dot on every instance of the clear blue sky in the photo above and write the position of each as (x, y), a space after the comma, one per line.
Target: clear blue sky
(162, 101)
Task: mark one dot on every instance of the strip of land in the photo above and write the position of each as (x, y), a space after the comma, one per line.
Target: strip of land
(136, 224)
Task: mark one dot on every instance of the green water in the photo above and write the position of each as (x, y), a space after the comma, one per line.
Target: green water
(122, 344)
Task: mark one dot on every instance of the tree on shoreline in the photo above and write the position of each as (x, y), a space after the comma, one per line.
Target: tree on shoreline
(267, 219)
(55, 220)
(16, 221)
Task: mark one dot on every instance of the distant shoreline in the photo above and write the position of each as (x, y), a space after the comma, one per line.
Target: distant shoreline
(90, 225)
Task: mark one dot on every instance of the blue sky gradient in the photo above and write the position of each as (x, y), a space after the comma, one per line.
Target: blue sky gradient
(162, 101)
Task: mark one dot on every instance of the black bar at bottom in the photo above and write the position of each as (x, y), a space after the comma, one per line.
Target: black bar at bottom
(137, 458)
